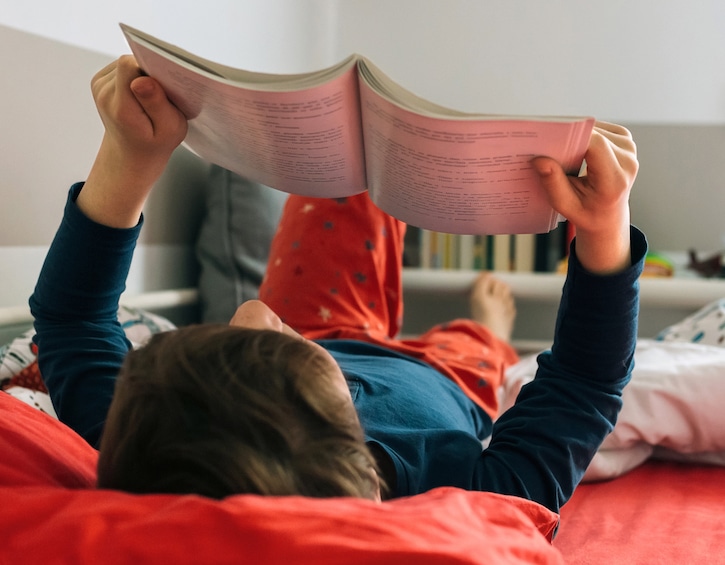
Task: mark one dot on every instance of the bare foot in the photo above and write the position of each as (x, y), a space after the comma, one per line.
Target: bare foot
(492, 305)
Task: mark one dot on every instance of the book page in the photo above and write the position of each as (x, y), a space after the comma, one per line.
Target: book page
(306, 142)
(464, 174)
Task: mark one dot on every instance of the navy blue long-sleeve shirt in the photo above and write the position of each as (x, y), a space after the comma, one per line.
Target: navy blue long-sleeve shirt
(432, 432)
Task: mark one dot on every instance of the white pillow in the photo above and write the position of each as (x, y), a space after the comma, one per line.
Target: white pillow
(674, 407)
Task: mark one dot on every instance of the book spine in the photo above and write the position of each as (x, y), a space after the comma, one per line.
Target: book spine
(425, 249)
(550, 249)
(466, 252)
(502, 253)
(479, 252)
(507, 253)
(523, 261)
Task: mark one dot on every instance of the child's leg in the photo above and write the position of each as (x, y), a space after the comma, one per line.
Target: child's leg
(474, 353)
(335, 268)
(469, 354)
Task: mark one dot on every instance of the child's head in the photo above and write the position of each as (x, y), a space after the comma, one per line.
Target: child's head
(219, 410)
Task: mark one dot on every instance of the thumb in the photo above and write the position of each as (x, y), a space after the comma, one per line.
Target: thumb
(166, 118)
(144, 88)
(556, 183)
(548, 169)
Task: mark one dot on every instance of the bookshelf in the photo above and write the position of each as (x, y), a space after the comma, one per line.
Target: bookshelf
(519, 253)
(437, 295)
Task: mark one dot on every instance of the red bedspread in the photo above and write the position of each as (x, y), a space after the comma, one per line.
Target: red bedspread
(660, 513)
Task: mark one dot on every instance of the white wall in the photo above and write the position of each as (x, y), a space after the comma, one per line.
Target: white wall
(652, 61)
(655, 64)
(50, 130)
(269, 35)
(49, 134)
(655, 61)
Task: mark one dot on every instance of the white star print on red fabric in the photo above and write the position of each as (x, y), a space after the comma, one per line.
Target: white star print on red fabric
(324, 313)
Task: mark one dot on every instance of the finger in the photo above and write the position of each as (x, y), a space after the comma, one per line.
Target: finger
(620, 138)
(103, 78)
(609, 127)
(110, 86)
(611, 160)
(123, 70)
(165, 117)
(109, 69)
(145, 89)
(559, 188)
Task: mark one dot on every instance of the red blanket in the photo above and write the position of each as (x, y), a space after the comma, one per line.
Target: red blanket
(666, 513)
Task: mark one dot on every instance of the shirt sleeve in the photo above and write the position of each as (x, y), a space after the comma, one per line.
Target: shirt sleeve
(81, 345)
(541, 446)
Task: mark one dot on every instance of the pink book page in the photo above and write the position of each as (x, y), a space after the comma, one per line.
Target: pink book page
(464, 176)
(306, 142)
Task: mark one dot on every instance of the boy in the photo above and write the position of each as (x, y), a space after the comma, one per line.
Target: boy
(257, 407)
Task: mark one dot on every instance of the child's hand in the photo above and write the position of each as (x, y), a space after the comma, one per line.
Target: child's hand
(143, 128)
(598, 202)
(139, 118)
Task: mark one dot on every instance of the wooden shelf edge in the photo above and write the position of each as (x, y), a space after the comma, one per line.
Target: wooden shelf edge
(668, 292)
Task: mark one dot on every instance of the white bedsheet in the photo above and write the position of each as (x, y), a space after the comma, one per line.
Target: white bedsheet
(674, 407)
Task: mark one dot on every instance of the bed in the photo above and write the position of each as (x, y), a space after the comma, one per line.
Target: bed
(51, 513)
(655, 490)
(662, 512)
(654, 493)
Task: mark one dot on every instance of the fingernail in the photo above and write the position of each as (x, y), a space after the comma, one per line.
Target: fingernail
(142, 87)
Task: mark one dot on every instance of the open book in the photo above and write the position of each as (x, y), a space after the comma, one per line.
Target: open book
(349, 128)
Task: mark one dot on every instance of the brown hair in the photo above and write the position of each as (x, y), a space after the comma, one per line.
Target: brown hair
(218, 410)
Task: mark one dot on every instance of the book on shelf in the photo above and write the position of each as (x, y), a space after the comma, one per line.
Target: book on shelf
(513, 253)
(552, 247)
(502, 252)
(521, 253)
(349, 128)
(524, 252)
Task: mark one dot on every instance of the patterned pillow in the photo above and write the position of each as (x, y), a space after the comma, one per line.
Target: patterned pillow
(18, 365)
(19, 373)
(706, 326)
